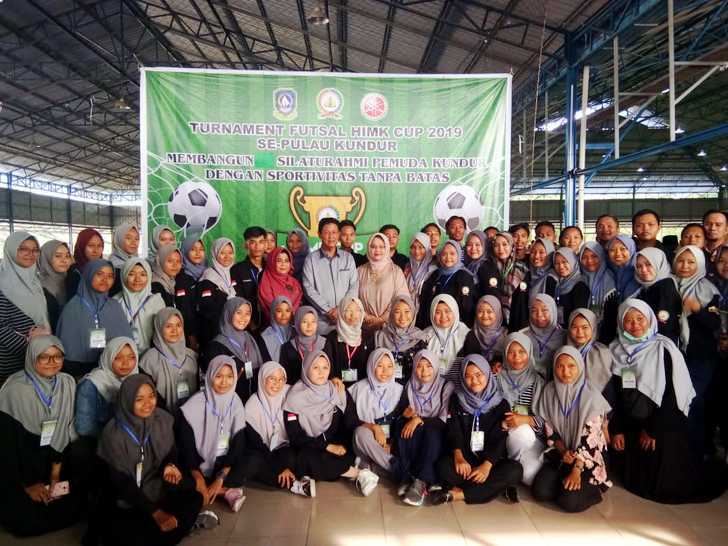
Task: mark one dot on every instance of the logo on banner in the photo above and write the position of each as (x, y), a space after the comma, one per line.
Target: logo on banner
(330, 102)
(325, 206)
(374, 106)
(285, 104)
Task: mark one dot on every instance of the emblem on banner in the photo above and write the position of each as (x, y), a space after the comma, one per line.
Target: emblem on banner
(285, 104)
(330, 102)
(374, 106)
(325, 206)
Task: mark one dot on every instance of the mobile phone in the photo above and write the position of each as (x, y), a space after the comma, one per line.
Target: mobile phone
(60, 489)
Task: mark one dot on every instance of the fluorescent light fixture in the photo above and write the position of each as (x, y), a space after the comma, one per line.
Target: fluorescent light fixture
(702, 153)
(724, 168)
(640, 169)
(317, 15)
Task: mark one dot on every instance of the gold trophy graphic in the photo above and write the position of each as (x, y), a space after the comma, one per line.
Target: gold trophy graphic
(323, 206)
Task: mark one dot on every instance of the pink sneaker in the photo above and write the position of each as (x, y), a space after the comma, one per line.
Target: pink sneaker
(235, 498)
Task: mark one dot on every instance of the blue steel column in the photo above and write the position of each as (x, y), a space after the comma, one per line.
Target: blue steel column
(570, 136)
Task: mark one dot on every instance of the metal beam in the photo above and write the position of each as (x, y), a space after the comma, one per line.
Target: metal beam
(429, 59)
(492, 35)
(304, 31)
(151, 27)
(342, 34)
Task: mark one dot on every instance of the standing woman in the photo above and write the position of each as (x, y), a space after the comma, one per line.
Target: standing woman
(170, 364)
(36, 425)
(488, 335)
(53, 264)
(319, 421)
(420, 431)
(622, 252)
(477, 468)
(452, 279)
(297, 245)
(476, 252)
(574, 474)
(278, 280)
(268, 455)
(161, 235)
(210, 434)
(419, 267)
(541, 278)
(214, 288)
(446, 336)
(402, 337)
(124, 245)
(194, 258)
(306, 340)
(434, 233)
(91, 319)
(380, 279)
(603, 300)
(176, 288)
(572, 290)
(235, 342)
(279, 331)
(23, 307)
(147, 503)
(544, 332)
(598, 360)
(89, 247)
(347, 347)
(659, 289)
(138, 302)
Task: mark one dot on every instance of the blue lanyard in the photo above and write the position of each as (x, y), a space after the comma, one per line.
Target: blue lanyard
(640, 347)
(382, 406)
(254, 273)
(173, 361)
(598, 282)
(278, 333)
(479, 411)
(47, 400)
(134, 438)
(216, 413)
(512, 383)
(566, 412)
(444, 285)
(584, 351)
(543, 345)
(419, 400)
(94, 312)
(133, 316)
(268, 414)
(240, 347)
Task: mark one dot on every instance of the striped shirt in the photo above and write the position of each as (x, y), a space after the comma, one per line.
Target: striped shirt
(14, 328)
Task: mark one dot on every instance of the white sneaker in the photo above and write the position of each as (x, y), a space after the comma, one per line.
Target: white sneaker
(367, 481)
(306, 487)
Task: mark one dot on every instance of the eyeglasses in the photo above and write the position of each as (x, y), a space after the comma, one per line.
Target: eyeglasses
(45, 359)
(25, 250)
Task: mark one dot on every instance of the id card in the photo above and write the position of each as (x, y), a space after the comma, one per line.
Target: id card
(47, 428)
(138, 472)
(223, 443)
(477, 440)
(629, 380)
(183, 390)
(248, 370)
(385, 430)
(97, 338)
(135, 336)
(398, 371)
(350, 376)
(520, 409)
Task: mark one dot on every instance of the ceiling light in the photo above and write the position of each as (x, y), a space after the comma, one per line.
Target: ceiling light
(317, 15)
(120, 105)
(640, 169)
(679, 131)
(667, 90)
(724, 168)
(702, 153)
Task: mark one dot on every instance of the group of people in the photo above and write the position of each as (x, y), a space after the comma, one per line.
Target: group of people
(143, 390)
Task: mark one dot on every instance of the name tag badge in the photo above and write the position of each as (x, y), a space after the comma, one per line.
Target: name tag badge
(97, 338)
(350, 376)
(477, 440)
(47, 428)
(248, 370)
(520, 409)
(135, 336)
(385, 430)
(180, 293)
(138, 472)
(223, 443)
(629, 380)
(183, 390)
(398, 372)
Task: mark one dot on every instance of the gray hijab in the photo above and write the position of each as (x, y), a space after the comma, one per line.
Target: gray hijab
(306, 344)
(139, 307)
(540, 274)
(107, 383)
(597, 356)
(490, 338)
(420, 270)
(118, 254)
(31, 399)
(158, 274)
(53, 281)
(567, 408)
(485, 400)
(21, 285)
(565, 285)
(659, 262)
(514, 382)
(217, 273)
(473, 265)
(398, 339)
(314, 405)
(264, 413)
(277, 334)
(697, 287)
(545, 340)
(374, 399)
(240, 343)
(429, 399)
(648, 364)
(155, 244)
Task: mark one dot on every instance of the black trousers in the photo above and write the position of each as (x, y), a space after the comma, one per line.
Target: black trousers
(548, 486)
(264, 467)
(21, 516)
(419, 454)
(505, 473)
(319, 464)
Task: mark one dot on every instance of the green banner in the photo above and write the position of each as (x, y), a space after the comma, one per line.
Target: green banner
(222, 150)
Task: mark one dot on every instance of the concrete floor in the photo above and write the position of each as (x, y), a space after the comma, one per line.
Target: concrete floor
(339, 516)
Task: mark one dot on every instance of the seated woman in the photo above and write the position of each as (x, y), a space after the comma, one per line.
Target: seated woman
(269, 458)
(659, 289)
(89, 247)
(97, 392)
(380, 279)
(233, 340)
(420, 431)
(171, 365)
(451, 279)
(597, 357)
(278, 280)
(652, 393)
(621, 254)
(421, 264)
(40, 478)
(147, 502)
(488, 335)
(124, 245)
(446, 336)
(138, 302)
(347, 347)
(574, 474)
(210, 435)
(476, 469)
(279, 331)
(545, 333)
(571, 291)
(214, 288)
(91, 319)
(401, 336)
(161, 235)
(306, 340)
(379, 403)
(53, 264)
(521, 384)
(603, 299)
(319, 421)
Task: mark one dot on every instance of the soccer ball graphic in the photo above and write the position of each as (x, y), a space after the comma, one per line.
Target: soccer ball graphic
(459, 200)
(195, 206)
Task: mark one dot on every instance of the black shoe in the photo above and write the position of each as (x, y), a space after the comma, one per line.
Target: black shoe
(441, 497)
(511, 494)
